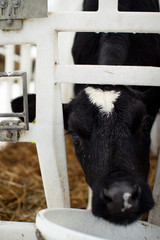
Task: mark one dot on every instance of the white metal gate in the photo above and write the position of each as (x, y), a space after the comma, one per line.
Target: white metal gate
(47, 132)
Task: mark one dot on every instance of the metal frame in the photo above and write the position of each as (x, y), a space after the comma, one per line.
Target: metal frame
(12, 12)
(24, 114)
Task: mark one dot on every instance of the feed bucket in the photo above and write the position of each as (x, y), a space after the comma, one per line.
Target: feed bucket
(76, 224)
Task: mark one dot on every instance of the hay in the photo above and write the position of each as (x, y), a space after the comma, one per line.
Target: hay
(21, 189)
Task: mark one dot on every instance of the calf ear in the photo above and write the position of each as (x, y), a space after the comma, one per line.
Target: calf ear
(17, 106)
(152, 100)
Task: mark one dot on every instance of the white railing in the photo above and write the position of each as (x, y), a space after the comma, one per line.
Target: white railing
(47, 132)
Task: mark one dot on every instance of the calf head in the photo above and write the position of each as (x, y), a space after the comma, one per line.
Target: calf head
(110, 127)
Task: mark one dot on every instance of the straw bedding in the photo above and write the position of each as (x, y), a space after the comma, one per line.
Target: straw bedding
(21, 189)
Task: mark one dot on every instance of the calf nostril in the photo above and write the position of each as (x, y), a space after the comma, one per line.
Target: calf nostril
(136, 193)
(107, 196)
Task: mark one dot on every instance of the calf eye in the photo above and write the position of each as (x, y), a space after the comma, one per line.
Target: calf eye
(75, 138)
(137, 192)
(107, 197)
(147, 123)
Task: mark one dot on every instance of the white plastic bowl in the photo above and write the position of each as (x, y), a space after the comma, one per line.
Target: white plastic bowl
(76, 224)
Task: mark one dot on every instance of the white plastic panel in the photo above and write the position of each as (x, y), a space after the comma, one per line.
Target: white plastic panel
(17, 231)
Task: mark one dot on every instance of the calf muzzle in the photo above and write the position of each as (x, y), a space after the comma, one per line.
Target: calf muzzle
(122, 200)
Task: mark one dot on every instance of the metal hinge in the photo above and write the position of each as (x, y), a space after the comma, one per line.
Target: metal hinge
(12, 12)
(9, 129)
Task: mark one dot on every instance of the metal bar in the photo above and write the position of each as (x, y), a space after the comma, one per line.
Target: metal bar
(12, 74)
(13, 128)
(25, 100)
(24, 114)
(26, 9)
(12, 115)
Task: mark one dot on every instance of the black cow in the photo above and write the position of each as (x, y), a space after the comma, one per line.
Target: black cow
(110, 125)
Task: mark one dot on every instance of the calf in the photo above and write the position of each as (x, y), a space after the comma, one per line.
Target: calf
(110, 126)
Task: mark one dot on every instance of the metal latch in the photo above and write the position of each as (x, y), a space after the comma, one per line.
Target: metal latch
(12, 12)
(9, 128)
(7, 134)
